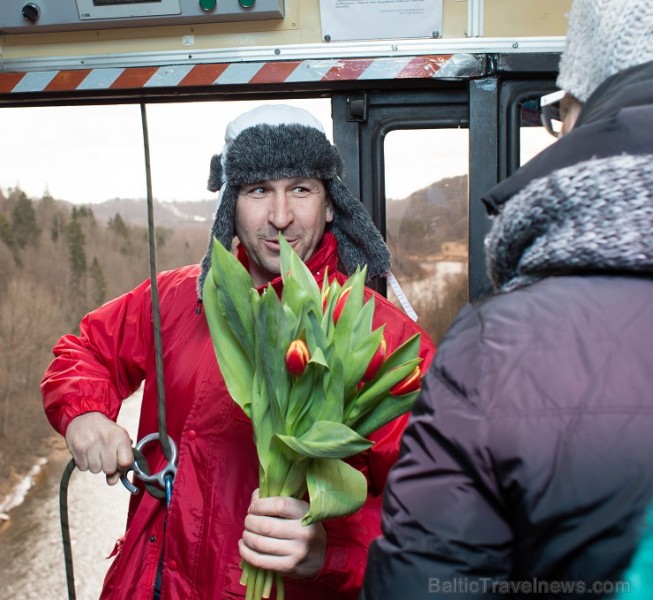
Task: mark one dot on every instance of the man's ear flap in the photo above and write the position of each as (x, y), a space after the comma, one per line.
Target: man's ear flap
(215, 173)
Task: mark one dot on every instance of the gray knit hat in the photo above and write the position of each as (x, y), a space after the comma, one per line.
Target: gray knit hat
(603, 38)
(277, 141)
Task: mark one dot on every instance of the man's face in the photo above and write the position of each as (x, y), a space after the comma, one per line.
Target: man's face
(297, 207)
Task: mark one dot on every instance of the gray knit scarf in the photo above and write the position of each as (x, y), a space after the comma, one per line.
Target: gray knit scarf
(593, 217)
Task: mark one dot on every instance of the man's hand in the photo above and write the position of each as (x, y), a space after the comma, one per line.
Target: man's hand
(99, 445)
(275, 539)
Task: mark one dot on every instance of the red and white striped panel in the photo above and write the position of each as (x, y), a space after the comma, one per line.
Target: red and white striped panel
(252, 73)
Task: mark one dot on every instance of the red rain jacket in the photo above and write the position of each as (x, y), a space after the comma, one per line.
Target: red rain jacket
(218, 466)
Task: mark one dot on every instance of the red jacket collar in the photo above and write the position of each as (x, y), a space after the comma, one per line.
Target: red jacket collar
(325, 257)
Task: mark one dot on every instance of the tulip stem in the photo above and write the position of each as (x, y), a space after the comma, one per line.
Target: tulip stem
(269, 580)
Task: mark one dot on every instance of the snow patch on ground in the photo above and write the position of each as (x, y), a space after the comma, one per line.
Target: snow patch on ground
(18, 494)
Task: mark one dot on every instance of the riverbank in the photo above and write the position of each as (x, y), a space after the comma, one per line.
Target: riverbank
(32, 566)
(24, 465)
(31, 550)
(25, 452)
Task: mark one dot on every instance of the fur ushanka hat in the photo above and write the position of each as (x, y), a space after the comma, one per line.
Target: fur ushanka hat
(277, 141)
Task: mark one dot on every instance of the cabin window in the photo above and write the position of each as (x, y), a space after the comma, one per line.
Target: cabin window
(533, 138)
(427, 221)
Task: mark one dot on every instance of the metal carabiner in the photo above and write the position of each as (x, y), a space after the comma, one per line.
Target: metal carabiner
(163, 478)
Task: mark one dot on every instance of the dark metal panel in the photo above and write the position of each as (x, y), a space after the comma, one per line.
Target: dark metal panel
(511, 97)
(484, 170)
(346, 138)
(527, 63)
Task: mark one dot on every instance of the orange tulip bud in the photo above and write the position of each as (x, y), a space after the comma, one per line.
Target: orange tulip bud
(377, 360)
(411, 383)
(340, 304)
(325, 299)
(297, 357)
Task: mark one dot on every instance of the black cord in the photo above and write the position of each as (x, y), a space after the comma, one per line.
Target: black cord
(65, 528)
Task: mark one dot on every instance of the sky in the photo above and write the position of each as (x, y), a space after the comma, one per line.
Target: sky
(89, 154)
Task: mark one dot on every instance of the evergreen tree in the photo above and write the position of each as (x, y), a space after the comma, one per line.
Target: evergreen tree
(57, 227)
(77, 262)
(7, 237)
(86, 213)
(99, 282)
(6, 233)
(118, 226)
(23, 217)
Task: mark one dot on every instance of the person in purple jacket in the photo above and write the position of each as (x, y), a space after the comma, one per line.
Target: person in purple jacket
(526, 470)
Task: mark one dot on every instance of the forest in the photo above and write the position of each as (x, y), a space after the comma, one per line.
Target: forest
(57, 262)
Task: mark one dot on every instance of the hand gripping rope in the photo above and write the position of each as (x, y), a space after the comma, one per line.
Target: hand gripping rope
(158, 484)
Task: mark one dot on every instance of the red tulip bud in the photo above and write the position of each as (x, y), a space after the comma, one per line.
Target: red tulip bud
(297, 357)
(377, 360)
(410, 383)
(340, 304)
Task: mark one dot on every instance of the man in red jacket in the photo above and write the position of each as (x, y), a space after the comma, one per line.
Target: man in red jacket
(276, 173)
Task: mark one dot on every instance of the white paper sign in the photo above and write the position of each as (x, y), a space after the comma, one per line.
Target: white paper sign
(380, 19)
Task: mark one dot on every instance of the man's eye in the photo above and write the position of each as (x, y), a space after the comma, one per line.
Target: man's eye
(257, 191)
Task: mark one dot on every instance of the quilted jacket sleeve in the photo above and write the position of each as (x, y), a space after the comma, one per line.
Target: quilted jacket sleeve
(444, 521)
(105, 363)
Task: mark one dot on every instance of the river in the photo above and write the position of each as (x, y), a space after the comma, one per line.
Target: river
(31, 551)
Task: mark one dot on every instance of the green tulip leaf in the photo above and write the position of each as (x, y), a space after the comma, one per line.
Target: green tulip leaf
(305, 397)
(327, 439)
(286, 471)
(334, 392)
(384, 411)
(234, 361)
(335, 489)
(401, 355)
(374, 391)
(262, 423)
(318, 358)
(299, 285)
(232, 282)
(352, 307)
(272, 340)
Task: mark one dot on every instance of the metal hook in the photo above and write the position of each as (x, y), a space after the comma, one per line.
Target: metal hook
(163, 478)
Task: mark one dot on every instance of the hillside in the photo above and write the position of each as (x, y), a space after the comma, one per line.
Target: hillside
(166, 214)
(58, 261)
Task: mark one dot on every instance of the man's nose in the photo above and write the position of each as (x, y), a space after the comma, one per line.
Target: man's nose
(280, 211)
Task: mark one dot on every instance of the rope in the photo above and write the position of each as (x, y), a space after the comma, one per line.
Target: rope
(156, 314)
(160, 387)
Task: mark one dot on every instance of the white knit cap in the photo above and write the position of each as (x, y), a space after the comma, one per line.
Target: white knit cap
(270, 114)
(603, 38)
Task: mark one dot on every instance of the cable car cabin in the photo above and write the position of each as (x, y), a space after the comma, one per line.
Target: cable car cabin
(430, 104)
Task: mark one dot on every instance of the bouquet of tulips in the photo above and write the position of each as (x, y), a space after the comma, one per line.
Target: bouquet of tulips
(312, 376)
